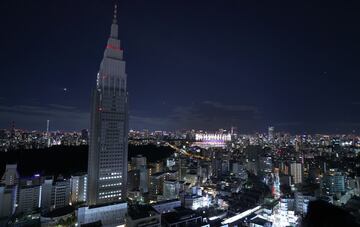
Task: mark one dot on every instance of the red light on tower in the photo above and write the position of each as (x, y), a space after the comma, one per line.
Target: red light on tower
(113, 47)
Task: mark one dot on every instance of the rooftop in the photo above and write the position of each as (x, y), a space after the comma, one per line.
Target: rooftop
(141, 211)
(180, 214)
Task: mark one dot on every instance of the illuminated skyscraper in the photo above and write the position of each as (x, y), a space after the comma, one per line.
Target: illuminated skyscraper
(296, 170)
(108, 148)
(271, 133)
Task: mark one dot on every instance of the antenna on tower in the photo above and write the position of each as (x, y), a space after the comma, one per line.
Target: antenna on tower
(47, 132)
(115, 14)
(114, 26)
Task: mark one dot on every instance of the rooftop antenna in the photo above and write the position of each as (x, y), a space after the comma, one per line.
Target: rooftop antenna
(115, 14)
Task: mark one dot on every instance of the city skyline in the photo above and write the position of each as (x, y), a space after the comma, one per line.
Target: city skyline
(215, 92)
(250, 66)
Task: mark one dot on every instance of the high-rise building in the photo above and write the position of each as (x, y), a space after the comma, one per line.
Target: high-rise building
(29, 198)
(265, 164)
(78, 188)
(296, 170)
(7, 200)
(156, 184)
(140, 173)
(108, 150)
(46, 191)
(11, 175)
(271, 130)
(60, 196)
(171, 189)
(138, 161)
(333, 182)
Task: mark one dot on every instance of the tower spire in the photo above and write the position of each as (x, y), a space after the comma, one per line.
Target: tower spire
(115, 14)
(114, 26)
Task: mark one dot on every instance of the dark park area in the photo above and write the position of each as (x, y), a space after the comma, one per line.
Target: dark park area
(67, 160)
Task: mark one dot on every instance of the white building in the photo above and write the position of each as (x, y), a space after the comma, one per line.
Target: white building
(78, 188)
(296, 170)
(109, 215)
(196, 201)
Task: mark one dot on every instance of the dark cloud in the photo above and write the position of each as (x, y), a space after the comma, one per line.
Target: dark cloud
(204, 115)
(57, 106)
(61, 117)
(138, 122)
(286, 126)
(241, 108)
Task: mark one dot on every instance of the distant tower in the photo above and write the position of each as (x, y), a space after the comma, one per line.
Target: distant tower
(47, 126)
(271, 133)
(108, 147)
(47, 132)
(297, 143)
(12, 129)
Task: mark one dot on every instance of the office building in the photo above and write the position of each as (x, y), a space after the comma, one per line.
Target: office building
(296, 170)
(171, 189)
(333, 182)
(60, 196)
(107, 215)
(302, 202)
(108, 148)
(11, 175)
(78, 188)
(29, 199)
(46, 192)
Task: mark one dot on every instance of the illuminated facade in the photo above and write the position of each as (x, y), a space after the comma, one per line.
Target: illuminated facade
(107, 164)
(212, 137)
(276, 184)
(207, 140)
(333, 182)
(78, 188)
(296, 170)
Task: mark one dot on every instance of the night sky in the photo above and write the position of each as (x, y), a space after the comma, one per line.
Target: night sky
(190, 64)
